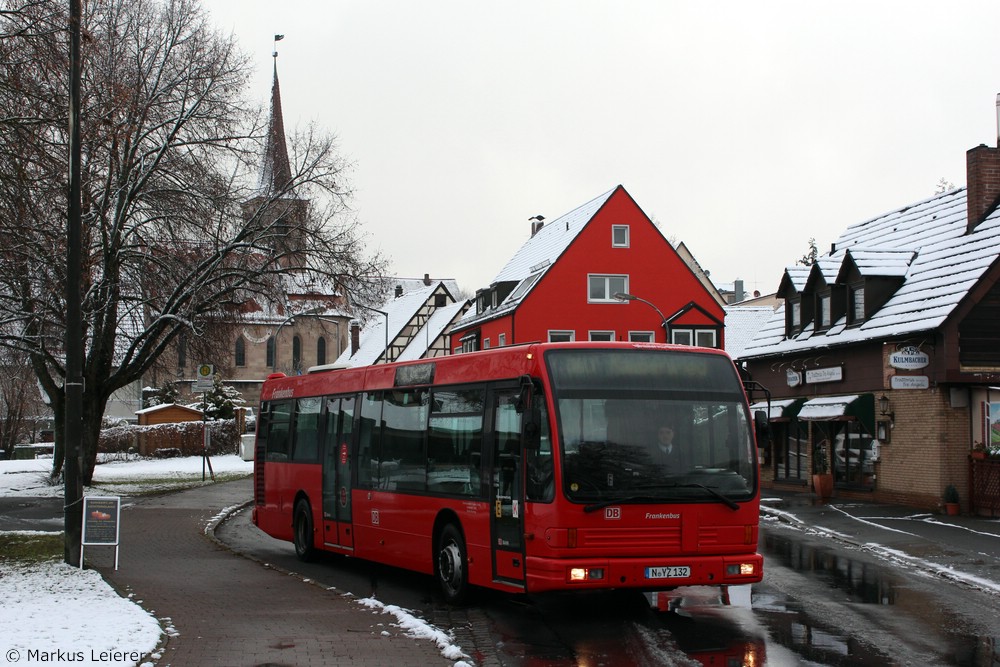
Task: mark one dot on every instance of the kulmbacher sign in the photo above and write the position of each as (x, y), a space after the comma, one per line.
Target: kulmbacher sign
(909, 358)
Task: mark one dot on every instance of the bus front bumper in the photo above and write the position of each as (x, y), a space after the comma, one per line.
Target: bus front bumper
(652, 573)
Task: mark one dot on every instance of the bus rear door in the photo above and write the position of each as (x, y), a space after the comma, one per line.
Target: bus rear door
(507, 489)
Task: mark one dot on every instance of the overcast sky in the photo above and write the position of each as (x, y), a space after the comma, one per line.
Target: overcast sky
(742, 128)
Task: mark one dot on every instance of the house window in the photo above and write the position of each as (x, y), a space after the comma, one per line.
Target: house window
(705, 338)
(602, 289)
(823, 316)
(641, 336)
(270, 352)
(486, 343)
(699, 337)
(619, 236)
(440, 300)
(601, 335)
(858, 304)
(562, 336)
(681, 337)
(794, 317)
(321, 351)
(241, 352)
(501, 339)
(470, 342)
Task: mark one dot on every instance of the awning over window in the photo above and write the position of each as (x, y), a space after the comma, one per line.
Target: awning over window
(785, 408)
(841, 408)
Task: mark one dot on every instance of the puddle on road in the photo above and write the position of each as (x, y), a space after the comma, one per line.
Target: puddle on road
(862, 583)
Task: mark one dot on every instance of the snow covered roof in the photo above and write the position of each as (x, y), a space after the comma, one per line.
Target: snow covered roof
(397, 325)
(742, 324)
(926, 245)
(538, 254)
(439, 322)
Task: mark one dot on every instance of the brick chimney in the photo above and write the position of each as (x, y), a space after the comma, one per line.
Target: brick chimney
(982, 166)
(983, 180)
(427, 279)
(355, 337)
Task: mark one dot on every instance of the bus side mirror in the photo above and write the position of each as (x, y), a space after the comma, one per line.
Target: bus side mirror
(762, 428)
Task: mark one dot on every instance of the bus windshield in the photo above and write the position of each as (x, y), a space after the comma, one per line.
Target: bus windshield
(651, 425)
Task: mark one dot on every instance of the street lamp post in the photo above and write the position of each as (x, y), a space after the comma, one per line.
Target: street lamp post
(622, 296)
(305, 313)
(386, 316)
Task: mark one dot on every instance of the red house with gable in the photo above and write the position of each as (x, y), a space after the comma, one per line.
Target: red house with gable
(562, 285)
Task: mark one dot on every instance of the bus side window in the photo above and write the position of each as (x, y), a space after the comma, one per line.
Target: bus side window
(538, 455)
(369, 432)
(279, 430)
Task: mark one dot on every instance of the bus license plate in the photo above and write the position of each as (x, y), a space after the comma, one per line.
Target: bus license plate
(672, 572)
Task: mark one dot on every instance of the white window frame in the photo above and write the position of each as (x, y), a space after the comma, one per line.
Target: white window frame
(698, 333)
(642, 336)
(601, 336)
(628, 236)
(486, 343)
(570, 335)
(676, 334)
(825, 313)
(501, 339)
(609, 291)
(858, 303)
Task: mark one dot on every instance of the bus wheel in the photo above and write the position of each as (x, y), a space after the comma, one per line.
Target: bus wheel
(302, 527)
(451, 565)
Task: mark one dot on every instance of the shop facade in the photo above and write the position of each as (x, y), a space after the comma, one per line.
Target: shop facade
(881, 369)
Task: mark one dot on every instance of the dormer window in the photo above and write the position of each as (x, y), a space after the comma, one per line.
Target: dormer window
(619, 236)
(823, 311)
(793, 316)
(858, 304)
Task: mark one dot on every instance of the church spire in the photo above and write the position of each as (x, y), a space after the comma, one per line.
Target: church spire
(276, 172)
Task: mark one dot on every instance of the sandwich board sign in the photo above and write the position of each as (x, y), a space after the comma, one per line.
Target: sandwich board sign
(100, 523)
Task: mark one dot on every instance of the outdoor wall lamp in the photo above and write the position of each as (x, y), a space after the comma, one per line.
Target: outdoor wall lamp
(883, 408)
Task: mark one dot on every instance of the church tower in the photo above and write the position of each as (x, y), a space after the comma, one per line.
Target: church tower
(274, 205)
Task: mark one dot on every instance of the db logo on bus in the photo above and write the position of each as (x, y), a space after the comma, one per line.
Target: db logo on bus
(612, 512)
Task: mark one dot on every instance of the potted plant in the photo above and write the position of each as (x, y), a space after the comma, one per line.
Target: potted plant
(951, 506)
(979, 451)
(822, 477)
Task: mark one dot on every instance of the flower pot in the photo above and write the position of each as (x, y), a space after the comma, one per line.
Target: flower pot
(823, 485)
(978, 455)
(952, 509)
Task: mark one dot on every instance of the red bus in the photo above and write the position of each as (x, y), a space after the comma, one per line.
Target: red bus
(524, 469)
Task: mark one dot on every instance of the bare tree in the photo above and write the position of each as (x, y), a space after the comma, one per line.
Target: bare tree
(178, 232)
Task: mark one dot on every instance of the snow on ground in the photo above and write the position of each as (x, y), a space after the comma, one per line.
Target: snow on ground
(64, 615)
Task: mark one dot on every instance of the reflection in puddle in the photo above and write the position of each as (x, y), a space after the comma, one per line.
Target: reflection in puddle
(863, 582)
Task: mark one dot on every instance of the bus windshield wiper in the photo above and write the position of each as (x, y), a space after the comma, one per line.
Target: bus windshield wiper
(727, 501)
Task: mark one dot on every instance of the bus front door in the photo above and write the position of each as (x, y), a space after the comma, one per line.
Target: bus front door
(337, 480)
(507, 489)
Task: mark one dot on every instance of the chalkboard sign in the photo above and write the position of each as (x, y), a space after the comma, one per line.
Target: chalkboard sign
(100, 519)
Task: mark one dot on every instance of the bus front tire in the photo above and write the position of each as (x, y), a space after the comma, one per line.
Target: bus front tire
(451, 565)
(302, 529)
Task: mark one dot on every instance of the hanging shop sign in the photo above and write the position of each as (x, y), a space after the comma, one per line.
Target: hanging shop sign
(831, 374)
(793, 378)
(909, 382)
(909, 358)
